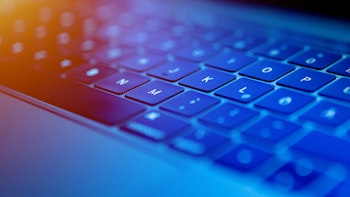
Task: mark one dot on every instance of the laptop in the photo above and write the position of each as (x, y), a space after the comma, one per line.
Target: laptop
(174, 98)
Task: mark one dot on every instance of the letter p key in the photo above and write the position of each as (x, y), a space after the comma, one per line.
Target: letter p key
(306, 79)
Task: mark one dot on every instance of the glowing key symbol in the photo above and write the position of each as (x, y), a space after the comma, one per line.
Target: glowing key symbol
(66, 63)
(347, 90)
(311, 60)
(207, 79)
(274, 52)
(143, 61)
(285, 100)
(113, 53)
(267, 70)
(175, 70)
(231, 61)
(198, 52)
(152, 116)
(92, 72)
(194, 101)
(329, 114)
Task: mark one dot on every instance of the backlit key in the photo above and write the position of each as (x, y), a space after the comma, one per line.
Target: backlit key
(189, 103)
(244, 90)
(285, 101)
(198, 142)
(328, 113)
(315, 59)
(340, 89)
(154, 125)
(243, 158)
(267, 70)
(228, 116)
(306, 79)
(154, 92)
(207, 80)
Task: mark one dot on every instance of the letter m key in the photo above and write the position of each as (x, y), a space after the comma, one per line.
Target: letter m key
(154, 92)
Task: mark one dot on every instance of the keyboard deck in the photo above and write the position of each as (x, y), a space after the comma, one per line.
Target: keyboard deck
(246, 98)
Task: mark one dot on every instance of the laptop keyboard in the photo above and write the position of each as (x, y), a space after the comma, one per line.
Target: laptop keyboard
(247, 100)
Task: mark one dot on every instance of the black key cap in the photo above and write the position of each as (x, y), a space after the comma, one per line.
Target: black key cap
(71, 96)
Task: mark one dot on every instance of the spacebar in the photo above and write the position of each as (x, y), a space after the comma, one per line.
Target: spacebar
(77, 98)
(324, 146)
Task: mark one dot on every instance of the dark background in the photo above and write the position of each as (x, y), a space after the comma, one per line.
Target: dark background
(328, 8)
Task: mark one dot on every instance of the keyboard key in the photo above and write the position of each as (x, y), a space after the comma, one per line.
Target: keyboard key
(315, 59)
(285, 101)
(328, 113)
(210, 34)
(62, 64)
(306, 80)
(243, 158)
(108, 55)
(154, 92)
(232, 61)
(278, 50)
(173, 71)
(189, 103)
(244, 90)
(323, 146)
(135, 37)
(73, 97)
(242, 41)
(270, 129)
(197, 52)
(342, 190)
(90, 73)
(142, 62)
(207, 80)
(154, 125)
(340, 89)
(121, 82)
(198, 142)
(267, 70)
(228, 116)
(341, 68)
(293, 176)
(165, 44)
